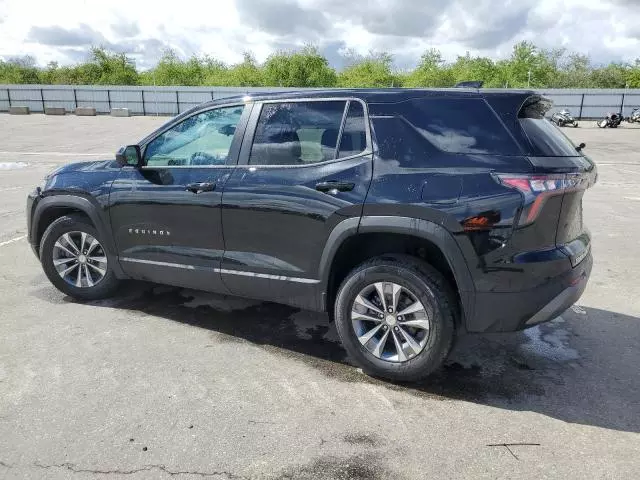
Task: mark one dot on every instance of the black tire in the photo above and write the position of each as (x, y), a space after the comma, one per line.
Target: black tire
(104, 288)
(429, 286)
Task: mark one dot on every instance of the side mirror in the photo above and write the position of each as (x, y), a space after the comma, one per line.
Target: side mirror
(581, 146)
(129, 155)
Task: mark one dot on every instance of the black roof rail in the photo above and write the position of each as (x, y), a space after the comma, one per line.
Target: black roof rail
(471, 84)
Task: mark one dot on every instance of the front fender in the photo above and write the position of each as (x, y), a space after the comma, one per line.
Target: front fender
(86, 205)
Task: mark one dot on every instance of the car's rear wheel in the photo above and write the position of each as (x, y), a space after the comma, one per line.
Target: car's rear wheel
(75, 261)
(395, 317)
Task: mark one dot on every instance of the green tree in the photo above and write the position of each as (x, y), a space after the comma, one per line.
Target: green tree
(215, 72)
(19, 70)
(527, 67)
(304, 68)
(245, 74)
(374, 70)
(171, 70)
(614, 75)
(108, 68)
(430, 72)
(572, 70)
(469, 68)
(633, 77)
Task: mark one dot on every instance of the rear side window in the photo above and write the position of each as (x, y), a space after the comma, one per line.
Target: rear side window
(546, 139)
(297, 133)
(455, 125)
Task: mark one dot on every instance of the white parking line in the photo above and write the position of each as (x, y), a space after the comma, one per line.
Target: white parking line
(13, 240)
(59, 154)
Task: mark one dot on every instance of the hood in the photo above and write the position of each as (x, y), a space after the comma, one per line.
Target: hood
(86, 167)
(93, 178)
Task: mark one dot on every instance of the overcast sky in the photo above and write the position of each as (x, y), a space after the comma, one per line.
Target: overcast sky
(63, 30)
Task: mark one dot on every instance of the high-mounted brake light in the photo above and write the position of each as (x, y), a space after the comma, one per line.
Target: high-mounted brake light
(537, 188)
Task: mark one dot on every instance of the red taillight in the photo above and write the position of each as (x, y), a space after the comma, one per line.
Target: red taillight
(537, 188)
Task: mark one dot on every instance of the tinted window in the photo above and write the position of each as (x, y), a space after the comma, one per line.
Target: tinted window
(297, 133)
(203, 139)
(456, 125)
(354, 139)
(546, 139)
(399, 141)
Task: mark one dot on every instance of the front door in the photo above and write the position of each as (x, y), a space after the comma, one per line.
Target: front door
(304, 167)
(165, 215)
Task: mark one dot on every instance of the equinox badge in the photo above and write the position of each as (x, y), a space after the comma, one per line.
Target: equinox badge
(148, 231)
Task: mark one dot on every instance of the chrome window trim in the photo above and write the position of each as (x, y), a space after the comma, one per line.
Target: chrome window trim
(169, 125)
(327, 162)
(186, 166)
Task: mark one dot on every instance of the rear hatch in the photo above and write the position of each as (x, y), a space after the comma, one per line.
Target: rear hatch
(561, 174)
(553, 153)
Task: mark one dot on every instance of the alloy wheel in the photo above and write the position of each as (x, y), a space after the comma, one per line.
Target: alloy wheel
(390, 322)
(79, 259)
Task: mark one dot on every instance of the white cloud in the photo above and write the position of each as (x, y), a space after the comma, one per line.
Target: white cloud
(63, 30)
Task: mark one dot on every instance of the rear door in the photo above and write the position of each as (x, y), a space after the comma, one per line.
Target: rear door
(305, 166)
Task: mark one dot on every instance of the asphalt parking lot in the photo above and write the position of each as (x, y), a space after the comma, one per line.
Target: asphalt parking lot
(162, 382)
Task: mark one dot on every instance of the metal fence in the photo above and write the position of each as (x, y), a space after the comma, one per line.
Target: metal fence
(149, 100)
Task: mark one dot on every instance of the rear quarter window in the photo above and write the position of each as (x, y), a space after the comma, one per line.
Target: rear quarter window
(546, 139)
(454, 125)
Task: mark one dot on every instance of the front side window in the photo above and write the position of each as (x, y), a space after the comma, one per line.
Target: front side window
(200, 140)
(297, 133)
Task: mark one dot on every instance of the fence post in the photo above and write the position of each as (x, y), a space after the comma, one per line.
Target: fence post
(42, 100)
(109, 99)
(581, 105)
(75, 98)
(622, 106)
(144, 111)
(9, 96)
(178, 101)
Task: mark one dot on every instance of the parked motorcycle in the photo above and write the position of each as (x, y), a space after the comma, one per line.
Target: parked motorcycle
(635, 116)
(564, 118)
(612, 120)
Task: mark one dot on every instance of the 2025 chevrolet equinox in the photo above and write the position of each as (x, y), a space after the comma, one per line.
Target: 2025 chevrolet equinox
(410, 216)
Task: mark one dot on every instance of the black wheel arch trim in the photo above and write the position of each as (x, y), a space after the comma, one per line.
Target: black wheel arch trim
(86, 206)
(435, 233)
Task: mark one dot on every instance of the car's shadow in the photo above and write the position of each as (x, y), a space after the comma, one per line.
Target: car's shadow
(580, 368)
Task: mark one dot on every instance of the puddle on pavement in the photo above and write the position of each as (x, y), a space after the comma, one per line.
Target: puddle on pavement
(358, 467)
(506, 367)
(13, 165)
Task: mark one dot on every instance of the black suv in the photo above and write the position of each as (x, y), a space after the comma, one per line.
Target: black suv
(410, 216)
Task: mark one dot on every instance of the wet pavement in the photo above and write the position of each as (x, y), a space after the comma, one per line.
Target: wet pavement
(162, 382)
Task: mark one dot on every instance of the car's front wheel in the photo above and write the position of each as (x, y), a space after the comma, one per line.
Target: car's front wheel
(74, 259)
(396, 317)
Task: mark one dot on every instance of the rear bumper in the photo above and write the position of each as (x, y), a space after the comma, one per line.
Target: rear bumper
(511, 311)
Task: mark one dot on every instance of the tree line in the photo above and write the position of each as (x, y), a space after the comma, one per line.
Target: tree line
(527, 66)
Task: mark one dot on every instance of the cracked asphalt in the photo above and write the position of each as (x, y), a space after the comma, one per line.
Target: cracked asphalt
(161, 382)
